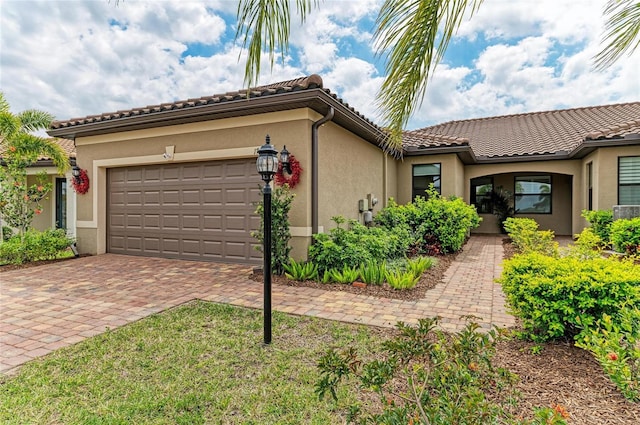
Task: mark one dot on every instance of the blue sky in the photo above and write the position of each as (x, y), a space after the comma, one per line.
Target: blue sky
(78, 58)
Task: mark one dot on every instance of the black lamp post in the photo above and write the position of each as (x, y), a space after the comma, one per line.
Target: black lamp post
(267, 165)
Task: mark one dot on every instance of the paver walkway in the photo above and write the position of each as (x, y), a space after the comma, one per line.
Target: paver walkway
(48, 307)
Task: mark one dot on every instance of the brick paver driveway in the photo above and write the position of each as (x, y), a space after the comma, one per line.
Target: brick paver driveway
(48, 307)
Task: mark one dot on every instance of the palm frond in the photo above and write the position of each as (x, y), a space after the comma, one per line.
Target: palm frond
(4, 104)
(622, 32)
(30, 148)
(266, 24)
(34, 120)
(413, 35)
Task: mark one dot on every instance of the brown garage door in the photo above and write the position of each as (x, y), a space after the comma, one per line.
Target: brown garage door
(197, 211)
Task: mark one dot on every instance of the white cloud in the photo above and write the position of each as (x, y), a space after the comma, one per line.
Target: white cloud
(76, 58)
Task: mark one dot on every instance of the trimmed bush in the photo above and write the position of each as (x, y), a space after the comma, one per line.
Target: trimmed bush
(433, 224)
(34, 246)
(355, 246)
(600, 222)
(625, 235)
(526, 237)
(558, 297)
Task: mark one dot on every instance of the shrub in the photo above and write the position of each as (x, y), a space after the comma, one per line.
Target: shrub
(616, 345)
(587, 245)
(625, 235)
(355, 246)
(559, 297)
(7, 233)
(526, 237)
(600, 223)
(426, 376)
(34, 246)
(448, 220)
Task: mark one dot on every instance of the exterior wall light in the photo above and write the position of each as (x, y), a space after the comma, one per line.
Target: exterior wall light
(75, 172)
(284, 158)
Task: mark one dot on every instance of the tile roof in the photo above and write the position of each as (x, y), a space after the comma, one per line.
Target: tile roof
(313, 81)
(537, 133)
(68, 146)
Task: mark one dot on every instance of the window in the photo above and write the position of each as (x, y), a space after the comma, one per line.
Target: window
(590, 186)
(61, 203)
(423, 176)
(533, 194)
(481, 189)
(629, 180)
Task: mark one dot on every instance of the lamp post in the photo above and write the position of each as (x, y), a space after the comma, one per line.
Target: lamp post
(267, 164)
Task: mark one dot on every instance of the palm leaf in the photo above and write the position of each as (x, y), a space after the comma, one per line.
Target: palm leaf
(413, 35)
(266, 24)
(622, 31)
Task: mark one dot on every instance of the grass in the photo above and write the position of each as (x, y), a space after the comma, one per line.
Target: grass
(198, 363)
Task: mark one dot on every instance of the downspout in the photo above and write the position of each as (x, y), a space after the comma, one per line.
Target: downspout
(314, 168)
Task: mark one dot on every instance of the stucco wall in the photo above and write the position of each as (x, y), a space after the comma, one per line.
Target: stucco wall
(350, 168)
(605, 174)
(46, 219)
(220, 139)
(341, 183)
(451, 169)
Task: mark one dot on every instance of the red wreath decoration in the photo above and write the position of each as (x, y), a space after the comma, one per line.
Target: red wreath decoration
(291, 179)
(81, 183)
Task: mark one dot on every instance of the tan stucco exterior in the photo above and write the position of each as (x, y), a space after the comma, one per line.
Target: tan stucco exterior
(341, 183)
(451, 169)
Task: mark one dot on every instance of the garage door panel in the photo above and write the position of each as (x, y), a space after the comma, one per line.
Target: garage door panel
(194, 211)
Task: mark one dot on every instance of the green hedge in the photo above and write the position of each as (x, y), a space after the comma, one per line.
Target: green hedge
(557, 297)
(625, 235)
(34, 246)
(356, 245)
(445, 222)
(600, 221)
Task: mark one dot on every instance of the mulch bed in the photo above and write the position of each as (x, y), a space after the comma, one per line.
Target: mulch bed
(429, 280)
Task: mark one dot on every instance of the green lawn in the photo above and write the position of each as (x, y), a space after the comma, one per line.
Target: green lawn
(198, 363)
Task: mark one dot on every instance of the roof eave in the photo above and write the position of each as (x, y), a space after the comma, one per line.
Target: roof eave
(588, 146)
(464, 152)
(316, 99)
(523, 158)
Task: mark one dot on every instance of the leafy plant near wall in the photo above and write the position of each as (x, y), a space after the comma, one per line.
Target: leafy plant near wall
(600, 221)
(355, 244)
(435, 220)
(20, 202)
(281, 201)
(625, 235)
(526, 237)
(33, 246)
(502, 205)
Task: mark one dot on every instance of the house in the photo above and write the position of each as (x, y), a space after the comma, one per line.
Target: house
(59, 207)
(179, 180)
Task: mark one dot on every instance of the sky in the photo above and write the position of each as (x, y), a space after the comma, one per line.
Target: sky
(76, 58)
